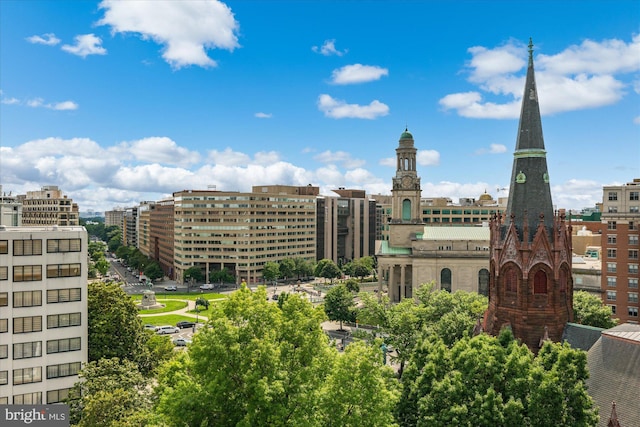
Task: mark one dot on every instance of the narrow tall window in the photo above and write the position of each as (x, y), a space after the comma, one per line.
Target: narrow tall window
(540, 282)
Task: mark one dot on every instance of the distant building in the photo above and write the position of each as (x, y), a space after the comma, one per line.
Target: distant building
(10, 209)
(531, 287)
(48, 206)
(114, 218)
(620, 249)
(43, 312)
(161, 235)
(144, 227)
(346, 226)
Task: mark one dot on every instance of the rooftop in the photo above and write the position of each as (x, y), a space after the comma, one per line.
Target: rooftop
(455, 233)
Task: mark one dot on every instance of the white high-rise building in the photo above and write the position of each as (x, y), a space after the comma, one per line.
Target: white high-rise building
(43, 312)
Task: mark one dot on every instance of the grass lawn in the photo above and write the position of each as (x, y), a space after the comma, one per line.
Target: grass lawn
(169, 305)
(169, 319)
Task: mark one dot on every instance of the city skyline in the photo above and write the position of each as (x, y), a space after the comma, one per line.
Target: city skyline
(120, 102)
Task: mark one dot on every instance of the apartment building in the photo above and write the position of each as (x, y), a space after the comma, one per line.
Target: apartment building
(620, 248)
(43, 312)
(240, 232)
(48, 206)
(114, 217)
(161, 229)
(144, 227)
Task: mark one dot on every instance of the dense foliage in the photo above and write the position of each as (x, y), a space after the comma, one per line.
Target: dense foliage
(589, 310)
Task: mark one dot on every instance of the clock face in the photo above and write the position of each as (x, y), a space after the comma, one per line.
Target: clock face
(406, 181)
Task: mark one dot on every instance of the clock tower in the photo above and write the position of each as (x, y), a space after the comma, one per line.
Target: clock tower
(406, 213)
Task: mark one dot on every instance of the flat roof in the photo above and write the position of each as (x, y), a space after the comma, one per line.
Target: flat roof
(455, 233)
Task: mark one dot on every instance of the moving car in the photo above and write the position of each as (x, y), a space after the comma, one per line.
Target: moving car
(167, 329)
(171, 288)
(181, 342)
(206, 287)
(185, 324)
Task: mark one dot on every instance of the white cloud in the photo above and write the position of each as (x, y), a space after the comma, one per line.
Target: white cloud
(185, 28)
(339, 157)
(357, 73)
(261, 115)
(590, 75)
(266, 157)
(636, 120)
(493, 149)
(10, 101)
(329, 48)
(338, 109)
(39, 103)
(228, 157)
(86, 44)
(389, 161)
(48, 39)
(66, 105)
(161, 150)
(428, 158)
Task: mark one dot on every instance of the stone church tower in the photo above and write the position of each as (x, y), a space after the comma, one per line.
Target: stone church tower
(530, 250)
(405, 195)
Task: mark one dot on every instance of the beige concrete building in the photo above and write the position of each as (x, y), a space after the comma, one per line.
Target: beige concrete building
(10, 209)
(48, 206)
(43, 312)
(114, 217)
(144, 227)
(240, 232)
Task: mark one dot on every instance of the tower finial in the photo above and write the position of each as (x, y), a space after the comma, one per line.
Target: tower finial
(530, 51)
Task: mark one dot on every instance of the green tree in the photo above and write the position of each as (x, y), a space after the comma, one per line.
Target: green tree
(102, 265)
(194, 273)
(221, 276)
(271, 271)
(153, 271)
(589, 310)
(203, 302)
(109, 390)
(352, 285)
(339, 305)
(363, 267)
(304, 267)
(123, 252)
(328, 269)
(287, 268)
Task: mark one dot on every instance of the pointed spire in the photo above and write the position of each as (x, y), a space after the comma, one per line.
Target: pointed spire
(529, 190)
(613, 419)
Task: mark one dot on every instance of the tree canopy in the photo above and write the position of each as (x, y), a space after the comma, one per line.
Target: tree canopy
(339, 305)
(328, 269)
(194, 273)
(589, 310)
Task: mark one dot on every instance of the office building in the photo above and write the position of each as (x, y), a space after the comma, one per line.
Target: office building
(48, 206)
(10, 209)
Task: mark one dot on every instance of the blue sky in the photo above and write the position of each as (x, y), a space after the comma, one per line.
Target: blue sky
(122, 101)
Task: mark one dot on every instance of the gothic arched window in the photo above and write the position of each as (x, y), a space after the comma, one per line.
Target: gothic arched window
(445, 279)
(511, 280)
(540, 282)
(483, 282)
(406, 210)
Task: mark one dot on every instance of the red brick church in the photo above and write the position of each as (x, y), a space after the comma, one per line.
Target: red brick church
(531, 286)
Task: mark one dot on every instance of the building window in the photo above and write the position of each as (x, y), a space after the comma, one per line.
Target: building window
(63, 345)
(612, 225)
(634, 195)
(634, 209)
(57, 396)
(633, 239)
(540, 282)
(28, 398)
(4, 247)
(63, 295)
(613, 196)
(4, 299)
(4, 351)
(4, 377)
(632, 311)
(483, 282)
(63, 245)
(611, 295)
(445, 279)
(27, 247)
(63, 320)
(27, 299)
(63, 370)
(26, 350)
(633, 283)
(613, 209)
(633, 254)
(633, 225)
(22, 325)
(611, 282)
(611, 239)
(63, 270)
(4, 273)
(633, 268)
(632, 297)
(27, 375)
(4, 325)
(611, 253)
(613, 308)
(611, 267)
(27, 273)
(511, 280)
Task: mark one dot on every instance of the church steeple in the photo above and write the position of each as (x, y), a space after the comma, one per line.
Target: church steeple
(529, 191)
(406, 184)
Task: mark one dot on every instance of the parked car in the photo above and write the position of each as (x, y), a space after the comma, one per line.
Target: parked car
(167, 329)
(181, 342)
(171, 288)
(150, 327)
(206, 287)
(185, 324)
